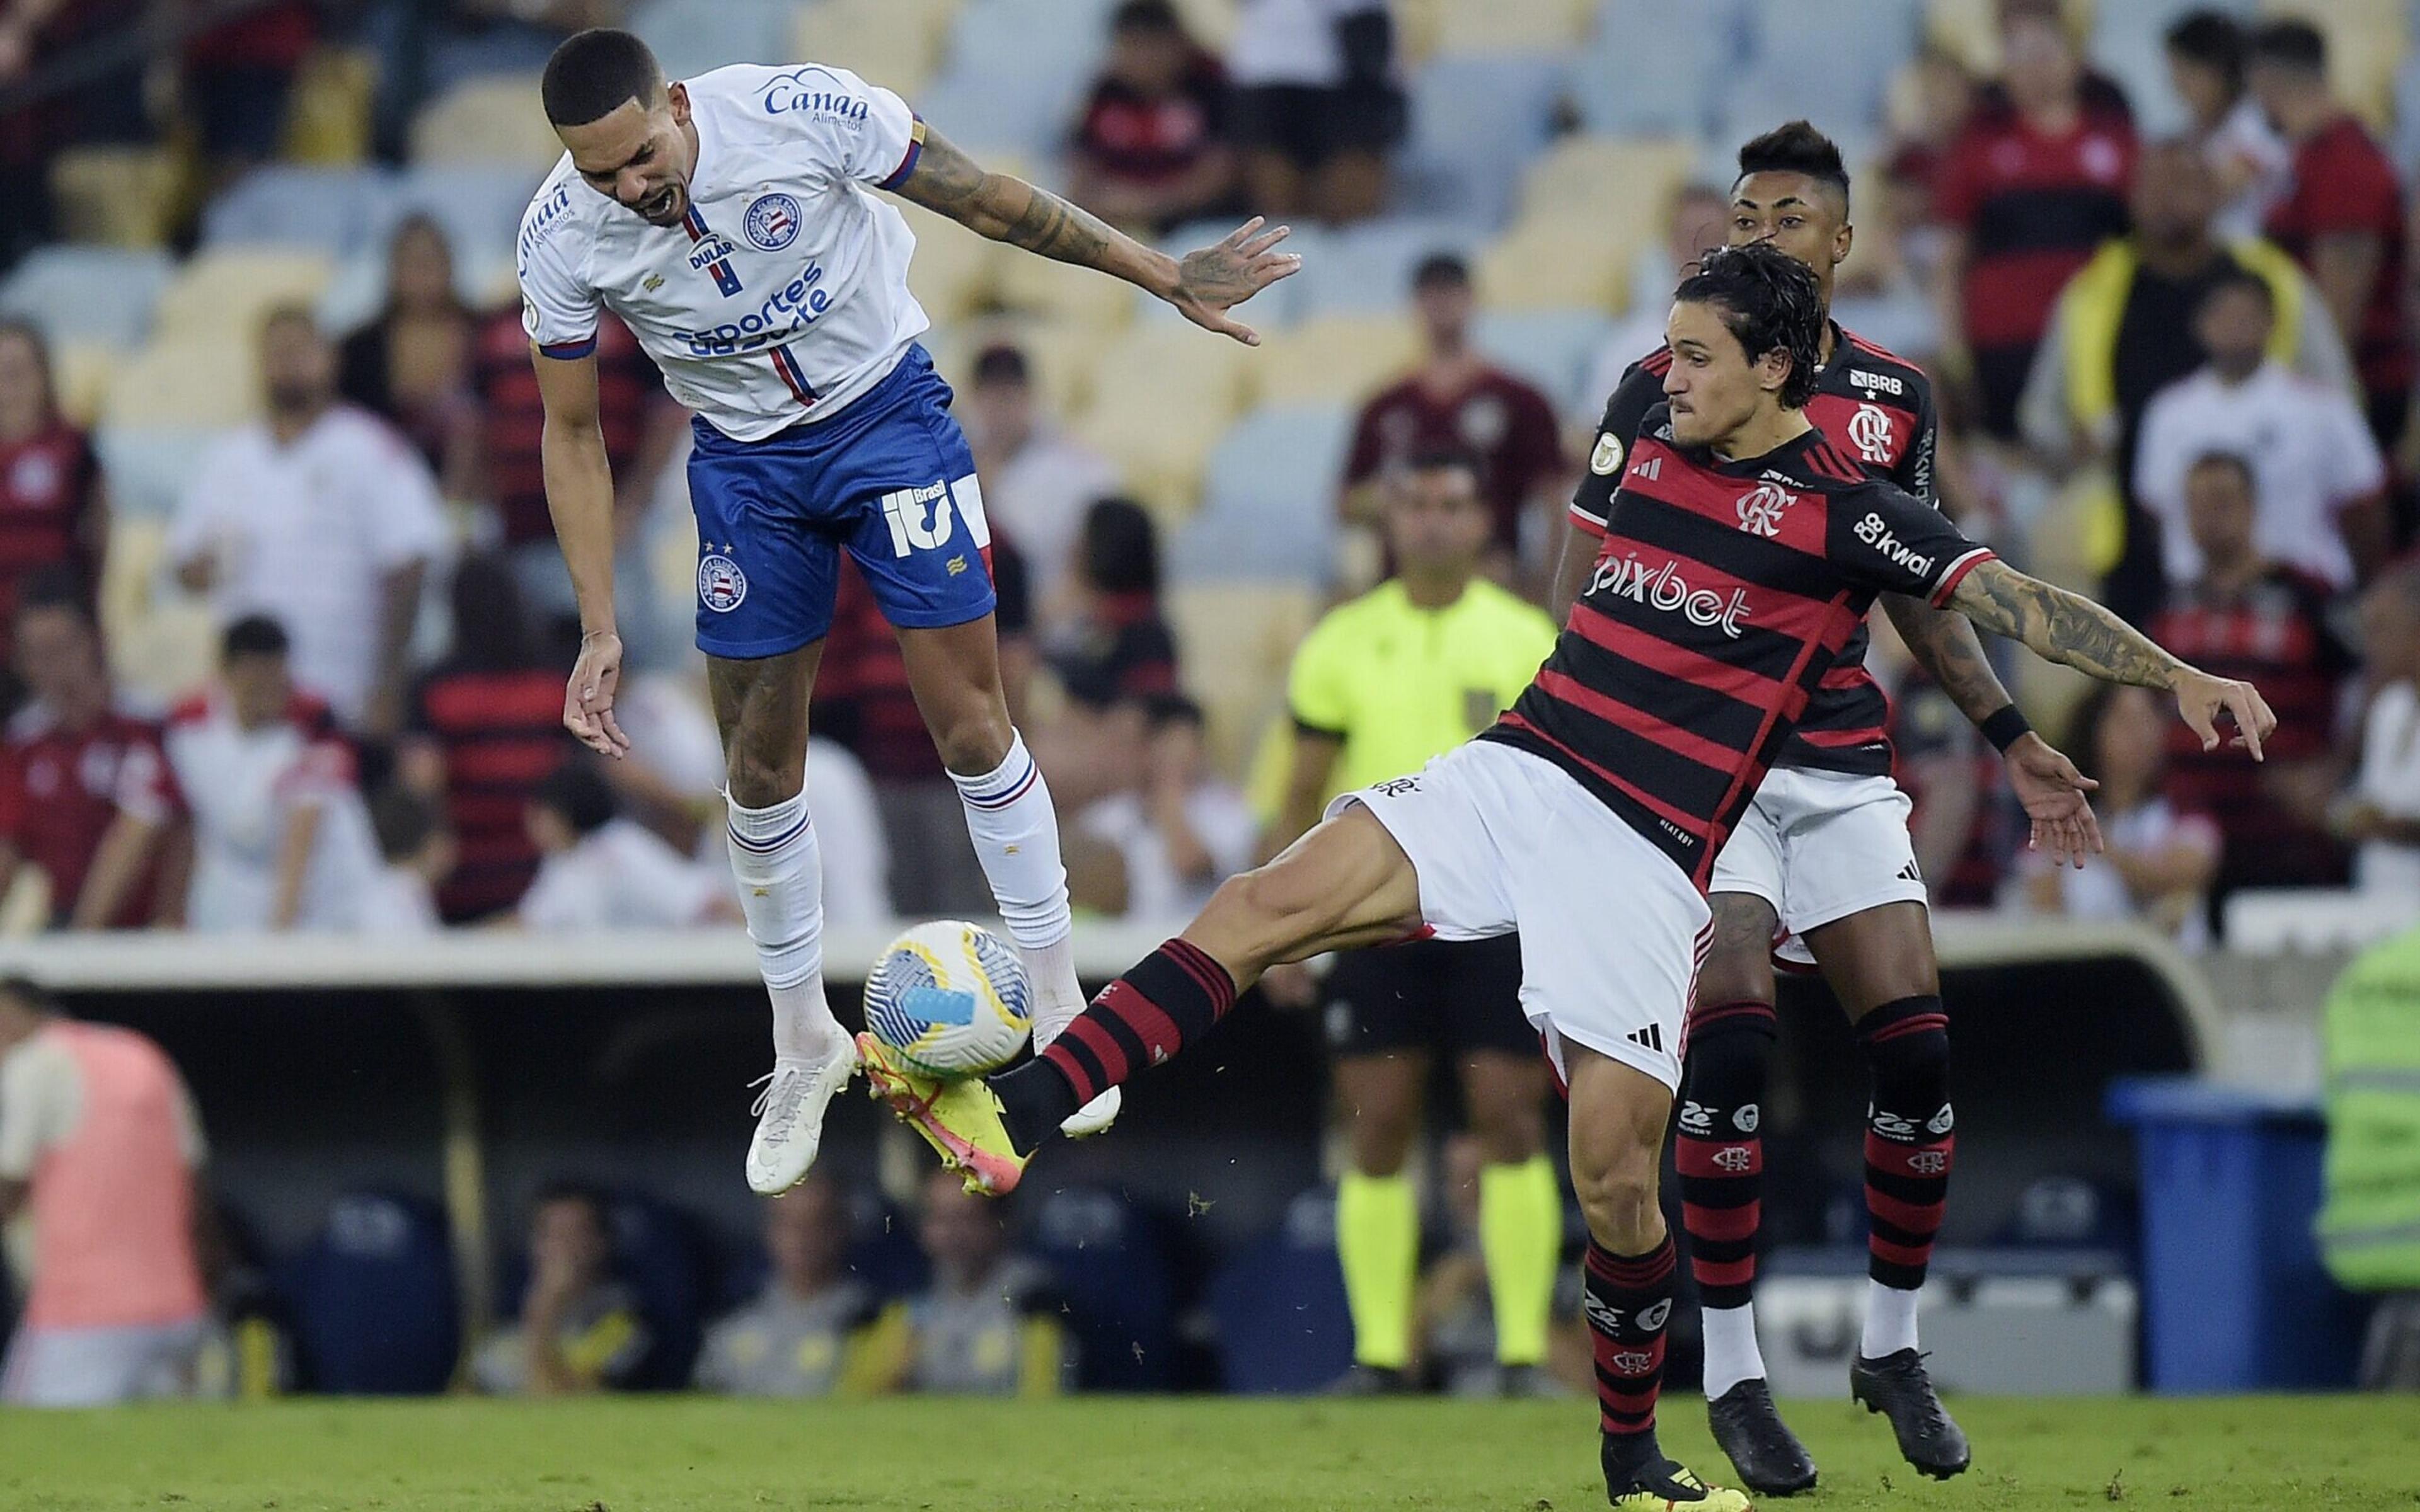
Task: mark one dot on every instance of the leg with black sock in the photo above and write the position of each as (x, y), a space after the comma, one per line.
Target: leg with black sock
(1171, 999)
(1910, 1145)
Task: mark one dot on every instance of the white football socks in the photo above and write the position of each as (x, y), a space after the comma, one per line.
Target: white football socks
(1731, 1354)
(1890, 1320)
(1015, 834)
(780, 874)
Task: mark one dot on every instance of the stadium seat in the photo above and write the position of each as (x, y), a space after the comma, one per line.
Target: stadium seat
(122, 196)
(1211, 22)
(1476, 120)
(955, 271)
(337, 211)
(222, 292)
(1640, 73)
(81, 372)
(1237, 640)
(1622, 182)
(694, 37)
(329, 110)
(2367, 43)
(495, 120)
(1059, 354)
(1824, 60)
(1339, 358)
(1063, 291)
(1280, 1308)
(88, 293)
(1560, 261)
(1055, 45)
(480, 206)
(1112, 1273)
(1268, 506)
(203, 382)
(376, 1308)
(1161, 397)
(159, 638)
(894, 43)
(1555, 349)
(1367, 268)
(1462, 29)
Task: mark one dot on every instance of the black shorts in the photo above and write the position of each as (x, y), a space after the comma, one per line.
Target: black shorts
(1448, 997)
(1312, 125)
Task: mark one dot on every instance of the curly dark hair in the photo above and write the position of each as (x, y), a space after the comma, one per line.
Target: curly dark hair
(1769, 302)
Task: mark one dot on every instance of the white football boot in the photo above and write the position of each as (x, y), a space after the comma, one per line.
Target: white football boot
(790, 1117)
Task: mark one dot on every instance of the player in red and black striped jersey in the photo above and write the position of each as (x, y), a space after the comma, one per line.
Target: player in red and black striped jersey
(1740, 555)
(1845, 885)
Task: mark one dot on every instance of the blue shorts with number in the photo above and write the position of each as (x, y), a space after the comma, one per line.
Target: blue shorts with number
(889, 480)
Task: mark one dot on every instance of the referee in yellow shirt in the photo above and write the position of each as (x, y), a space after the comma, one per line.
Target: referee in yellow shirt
(1404, 673)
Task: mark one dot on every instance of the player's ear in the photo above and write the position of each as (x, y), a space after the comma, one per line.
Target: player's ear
(1842, 240)
(676, 93)
(1772, 370)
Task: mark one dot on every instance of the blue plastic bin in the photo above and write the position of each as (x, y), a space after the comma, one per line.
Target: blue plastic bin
(2234, 1298)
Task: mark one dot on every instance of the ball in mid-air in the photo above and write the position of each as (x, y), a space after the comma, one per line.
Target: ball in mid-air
(951, 998)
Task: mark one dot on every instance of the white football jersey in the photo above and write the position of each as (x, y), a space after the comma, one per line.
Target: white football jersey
(782, 294)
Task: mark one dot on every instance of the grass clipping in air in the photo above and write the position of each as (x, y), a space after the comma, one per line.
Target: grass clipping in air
(692, 1455)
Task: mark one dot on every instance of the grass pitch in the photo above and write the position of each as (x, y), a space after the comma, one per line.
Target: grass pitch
(687, 1454)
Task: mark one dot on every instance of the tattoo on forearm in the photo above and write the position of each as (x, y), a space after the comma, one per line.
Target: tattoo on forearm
(2062, 626)
(1944, 643)
(1054, 228)
(949, 182)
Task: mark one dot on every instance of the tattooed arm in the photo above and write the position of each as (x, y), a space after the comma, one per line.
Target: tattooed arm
(2046, 784)
(1202, 285)
(2072, 630)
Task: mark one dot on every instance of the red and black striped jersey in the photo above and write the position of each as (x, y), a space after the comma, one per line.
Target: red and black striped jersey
(1723, 592)
(1877, 408)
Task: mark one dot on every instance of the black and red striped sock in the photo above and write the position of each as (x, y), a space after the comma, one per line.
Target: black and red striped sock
(1909, 1140)
(1718, 1149)
(1172, 998)
(1628, 1300)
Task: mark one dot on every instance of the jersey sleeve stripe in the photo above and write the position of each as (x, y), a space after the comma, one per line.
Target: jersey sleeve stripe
(567, 351)
(1309, 727)
(1957, 572)
(908, 162)
(1587, 521)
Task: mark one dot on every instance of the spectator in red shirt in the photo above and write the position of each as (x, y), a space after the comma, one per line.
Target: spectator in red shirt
(2031, 191)
(642, 429)
(1119, 645)
(237, 74)
(2342, 215)
(1149, 148)
(1965, 824)
(411, 365)
(52, 512)
(85, 791)
(1457, 398)
(486, 730)
(2263, 621)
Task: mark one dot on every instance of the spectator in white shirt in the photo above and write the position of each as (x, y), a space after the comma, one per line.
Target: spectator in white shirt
(601, 870)
(281, 838)
(2321, 481)
(1037, 483)
(2381, 814)
(323, 515)
(2207, 55)
(1160, 848)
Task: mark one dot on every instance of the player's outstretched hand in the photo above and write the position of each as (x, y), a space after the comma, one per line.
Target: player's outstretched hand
(1214, 279)
(588, 698)
(2201, 698)
(2053, 792)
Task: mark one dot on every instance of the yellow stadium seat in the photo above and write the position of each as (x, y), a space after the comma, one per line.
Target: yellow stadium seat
(1159, 449)
(328, 113)
(223, 293)
(955, 271)
(123, 196)
(81, 371)
(1062, 291)
(2367, 43)
(1510, 26)
(1176, 367)
(1060, 355)
(1580, 259)
(206, 382)
(1611, 178)
(159, 638)
(1235, 642)
(1210, 23)
(894, 43)
(1332, 357)
(496, 121)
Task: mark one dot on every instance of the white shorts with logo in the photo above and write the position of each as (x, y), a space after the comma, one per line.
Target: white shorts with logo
(1820, 846)
(1612, 930)
(101, 1366)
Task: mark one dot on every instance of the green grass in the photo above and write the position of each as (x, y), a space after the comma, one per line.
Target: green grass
(676, 1455)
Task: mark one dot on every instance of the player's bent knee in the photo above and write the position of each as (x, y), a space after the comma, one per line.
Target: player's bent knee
(1618, 1198)
(1738, 959)
(757, 780)
(974, 742)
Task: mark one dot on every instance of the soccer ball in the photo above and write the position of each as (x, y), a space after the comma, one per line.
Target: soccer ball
(951, 998)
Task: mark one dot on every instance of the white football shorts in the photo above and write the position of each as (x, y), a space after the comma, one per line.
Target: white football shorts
(1820, 846)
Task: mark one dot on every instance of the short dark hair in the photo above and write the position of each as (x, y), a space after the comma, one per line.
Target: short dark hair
(1160, 710)
(255, 635)
(1003, 361)
(57, 585)
(2291, 43)
(1155, 16)
(1121, 547)
(1768, 303)
(1798, 148)
(2235, 462)
(1450, 268)
(2212, 40)
(578, 792)
(595, 72)
(491, 623)
(1442, 455)
(2236, 276)
(402, 820)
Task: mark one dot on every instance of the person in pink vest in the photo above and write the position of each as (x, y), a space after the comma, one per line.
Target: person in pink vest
(99, 1147)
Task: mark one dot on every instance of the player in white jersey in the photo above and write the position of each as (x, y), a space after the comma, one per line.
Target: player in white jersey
(729, 221)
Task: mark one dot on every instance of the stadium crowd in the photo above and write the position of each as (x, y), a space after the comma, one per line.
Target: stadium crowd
(286, 627)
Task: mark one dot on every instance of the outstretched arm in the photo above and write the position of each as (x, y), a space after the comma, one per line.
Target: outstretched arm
(2046, 784)
(2072, 630)
(1202, 285)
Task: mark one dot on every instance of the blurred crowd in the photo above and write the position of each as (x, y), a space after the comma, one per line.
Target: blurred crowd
(2176, 365)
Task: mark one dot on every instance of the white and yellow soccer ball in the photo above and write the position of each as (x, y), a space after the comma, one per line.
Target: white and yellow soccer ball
(949, 998)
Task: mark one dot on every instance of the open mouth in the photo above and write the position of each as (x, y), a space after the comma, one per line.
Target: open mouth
(659, 205)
